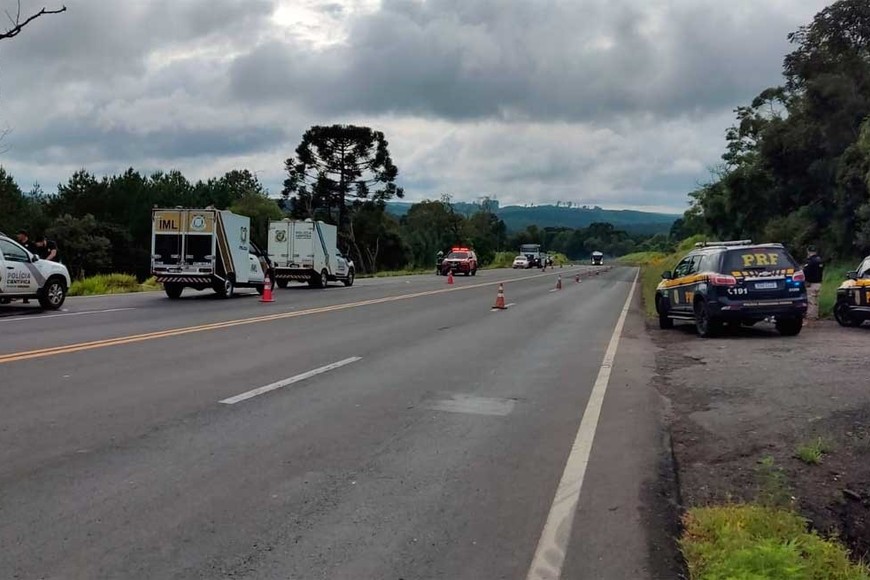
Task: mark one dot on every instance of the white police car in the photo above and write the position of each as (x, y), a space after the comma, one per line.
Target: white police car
(24, 275)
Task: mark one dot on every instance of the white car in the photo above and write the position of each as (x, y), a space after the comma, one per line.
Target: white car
(521, 262)
(24, 275)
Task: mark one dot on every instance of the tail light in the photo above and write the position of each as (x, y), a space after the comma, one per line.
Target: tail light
(799, 276)
(722, 280)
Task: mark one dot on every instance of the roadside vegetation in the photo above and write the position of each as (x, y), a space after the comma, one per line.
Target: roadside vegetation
(111, 284)
(759, 542)
(813, 452)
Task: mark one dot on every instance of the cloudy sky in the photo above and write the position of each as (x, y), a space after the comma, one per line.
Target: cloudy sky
(620, 103)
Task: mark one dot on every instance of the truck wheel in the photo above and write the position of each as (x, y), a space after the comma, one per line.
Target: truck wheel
(350, 277)
(321, 281)
(282, 283)
(225, 289)
(53, 294)
(173, 291)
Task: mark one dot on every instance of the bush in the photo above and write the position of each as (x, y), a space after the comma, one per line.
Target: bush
(755, 542)
(110, 284)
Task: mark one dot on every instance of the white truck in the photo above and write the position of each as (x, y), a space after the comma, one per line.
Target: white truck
(205, 248)
(23, 276)
(307, 251)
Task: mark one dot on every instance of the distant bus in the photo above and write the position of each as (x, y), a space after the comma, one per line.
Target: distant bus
(597, 258)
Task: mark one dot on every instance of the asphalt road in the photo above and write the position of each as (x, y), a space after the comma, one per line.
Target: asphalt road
(428, 442)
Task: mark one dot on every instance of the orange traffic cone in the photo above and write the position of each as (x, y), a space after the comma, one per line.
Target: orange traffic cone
(450, 278)
(267, 290)
(559, 282)
(499, 299)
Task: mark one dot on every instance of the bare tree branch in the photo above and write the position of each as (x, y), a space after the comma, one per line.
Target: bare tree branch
(18, 25)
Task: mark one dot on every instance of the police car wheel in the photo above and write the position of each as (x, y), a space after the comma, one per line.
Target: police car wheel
(789, 326)
(843, 317)
(349, 280)
(53, 294)
(706, 327)
(665, 323)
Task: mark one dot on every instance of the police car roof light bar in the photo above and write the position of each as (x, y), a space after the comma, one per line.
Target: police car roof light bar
(730, 243)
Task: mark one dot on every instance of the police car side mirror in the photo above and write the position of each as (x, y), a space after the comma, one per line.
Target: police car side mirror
(667, 276)
(853, 275)
(34, 258)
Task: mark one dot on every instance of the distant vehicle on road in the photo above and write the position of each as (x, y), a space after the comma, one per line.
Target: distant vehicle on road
(521, 262)
(24, 276)
(205, 248)
(307, 251)
(734, 283)
(460, 260)
(597, 258)
(853, 297)
(533, 253)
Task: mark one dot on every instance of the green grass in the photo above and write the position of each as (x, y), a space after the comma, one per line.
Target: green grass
(394, 273)
(758, 543)
(640, 258)
(110, 284)
(835, 274)
(502, 260)
(812, 453)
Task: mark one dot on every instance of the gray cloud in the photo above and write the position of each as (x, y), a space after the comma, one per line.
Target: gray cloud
(614, 102)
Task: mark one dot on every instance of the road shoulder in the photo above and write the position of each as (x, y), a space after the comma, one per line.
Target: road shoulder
(630, 492)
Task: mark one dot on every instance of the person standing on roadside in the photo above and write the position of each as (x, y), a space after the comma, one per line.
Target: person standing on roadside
(814, 272)
(46, 249)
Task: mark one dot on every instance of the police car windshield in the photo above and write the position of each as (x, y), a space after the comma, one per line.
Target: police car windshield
(458, 255)
(753, 259)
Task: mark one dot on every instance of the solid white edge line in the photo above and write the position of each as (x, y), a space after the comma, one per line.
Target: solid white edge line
(285, 382)
(553, 545)
(44, 316)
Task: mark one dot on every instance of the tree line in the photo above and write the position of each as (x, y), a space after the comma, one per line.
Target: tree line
(103, 224)
(796, 168)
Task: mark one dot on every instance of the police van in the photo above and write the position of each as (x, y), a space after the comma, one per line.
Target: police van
(24, 275)
(853, 297)
(734, 283)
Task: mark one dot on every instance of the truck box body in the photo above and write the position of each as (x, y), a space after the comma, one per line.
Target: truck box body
(200, 247)
(307, 251)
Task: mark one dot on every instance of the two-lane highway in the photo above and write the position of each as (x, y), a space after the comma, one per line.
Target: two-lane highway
(397, 429)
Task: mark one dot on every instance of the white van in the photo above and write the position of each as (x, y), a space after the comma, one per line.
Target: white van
(24, 275)
(307, 251)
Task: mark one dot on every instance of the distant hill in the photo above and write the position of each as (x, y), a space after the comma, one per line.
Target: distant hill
(518, 217)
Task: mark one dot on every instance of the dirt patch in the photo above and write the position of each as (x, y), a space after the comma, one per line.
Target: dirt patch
(741, 406)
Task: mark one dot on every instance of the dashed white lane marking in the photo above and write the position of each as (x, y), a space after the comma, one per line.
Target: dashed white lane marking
(553, 545)
(283, 383)
(471, 405)
(44, 316)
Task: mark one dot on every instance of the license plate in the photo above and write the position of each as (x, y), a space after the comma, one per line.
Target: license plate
(766, 286)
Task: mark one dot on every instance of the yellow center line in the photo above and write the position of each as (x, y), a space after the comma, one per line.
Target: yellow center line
(103, 343)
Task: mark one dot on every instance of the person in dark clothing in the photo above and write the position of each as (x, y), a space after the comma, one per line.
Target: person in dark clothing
(814, 271)
(24, 240)
(47, 249)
